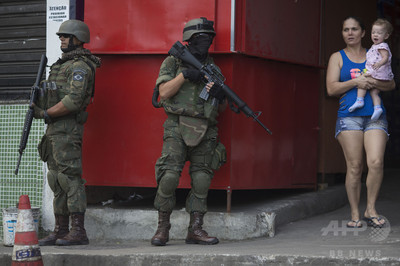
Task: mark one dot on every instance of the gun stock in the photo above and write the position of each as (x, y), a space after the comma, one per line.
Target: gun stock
(29, 115)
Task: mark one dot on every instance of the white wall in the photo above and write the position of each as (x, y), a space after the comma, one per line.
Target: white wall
(57, 13)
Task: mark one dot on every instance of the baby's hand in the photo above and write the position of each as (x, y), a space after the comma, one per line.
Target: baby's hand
(376, 65)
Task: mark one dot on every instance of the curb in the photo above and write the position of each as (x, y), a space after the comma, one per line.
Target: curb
(105, 223)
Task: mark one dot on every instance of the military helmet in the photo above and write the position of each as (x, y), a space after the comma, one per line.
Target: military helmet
(198, 25)
(77, 28)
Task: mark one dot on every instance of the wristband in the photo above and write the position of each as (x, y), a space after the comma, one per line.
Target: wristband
(47, 118)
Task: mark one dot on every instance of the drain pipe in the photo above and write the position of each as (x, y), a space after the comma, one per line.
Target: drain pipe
(233, 9)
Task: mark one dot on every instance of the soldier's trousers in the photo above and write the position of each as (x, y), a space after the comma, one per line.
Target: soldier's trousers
(61, 147)
(169, 168)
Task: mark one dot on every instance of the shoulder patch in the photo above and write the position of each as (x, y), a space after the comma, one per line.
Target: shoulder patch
(78, 74)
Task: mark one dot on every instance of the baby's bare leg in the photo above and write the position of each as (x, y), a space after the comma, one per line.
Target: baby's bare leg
(361, 93)
(377, 104)
(375, 97)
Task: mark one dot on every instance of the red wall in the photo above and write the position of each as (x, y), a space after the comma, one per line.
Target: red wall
(284, 30)
(150, 27)
(123, 136)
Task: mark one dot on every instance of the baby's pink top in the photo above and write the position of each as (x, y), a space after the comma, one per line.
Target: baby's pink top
(373, 56)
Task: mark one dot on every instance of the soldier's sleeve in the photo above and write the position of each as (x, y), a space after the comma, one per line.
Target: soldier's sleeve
(167, 70)
(78, 80)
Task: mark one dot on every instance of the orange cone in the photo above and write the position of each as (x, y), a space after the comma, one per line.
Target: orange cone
(26, 250)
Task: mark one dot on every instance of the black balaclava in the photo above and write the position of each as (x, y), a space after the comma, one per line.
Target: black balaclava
(71, 45)
(199, 45)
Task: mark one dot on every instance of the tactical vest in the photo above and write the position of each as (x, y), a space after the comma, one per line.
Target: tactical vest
(60, 81)
(186, 101)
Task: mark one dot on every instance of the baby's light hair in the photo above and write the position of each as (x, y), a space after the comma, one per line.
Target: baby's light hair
(385, 23)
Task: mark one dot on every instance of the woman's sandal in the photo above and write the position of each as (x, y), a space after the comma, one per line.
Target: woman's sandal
(357, 224)
(370, 222)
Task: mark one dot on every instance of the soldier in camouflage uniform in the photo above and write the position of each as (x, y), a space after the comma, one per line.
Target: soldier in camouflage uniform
(190, 134)
(69, 89)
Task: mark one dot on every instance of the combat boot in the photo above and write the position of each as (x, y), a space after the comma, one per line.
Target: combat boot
(61, 229)
(77, 235)
(196, 235)
(161, 237)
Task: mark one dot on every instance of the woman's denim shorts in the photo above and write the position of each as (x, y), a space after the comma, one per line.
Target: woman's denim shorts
(362, 123)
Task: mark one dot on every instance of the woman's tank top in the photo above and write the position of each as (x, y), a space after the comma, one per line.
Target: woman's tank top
(349, 71)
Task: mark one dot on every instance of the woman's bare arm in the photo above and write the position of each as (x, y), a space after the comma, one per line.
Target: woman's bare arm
(334, 86)
(382, 85)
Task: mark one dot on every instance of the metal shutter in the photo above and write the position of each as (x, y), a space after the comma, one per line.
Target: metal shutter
(22, 41)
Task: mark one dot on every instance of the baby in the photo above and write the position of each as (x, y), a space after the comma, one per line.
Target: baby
(378, 66)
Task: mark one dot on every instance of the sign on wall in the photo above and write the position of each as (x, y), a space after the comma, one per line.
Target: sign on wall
(57, 13)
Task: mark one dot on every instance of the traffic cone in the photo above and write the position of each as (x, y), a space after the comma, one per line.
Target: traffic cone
(26, 250)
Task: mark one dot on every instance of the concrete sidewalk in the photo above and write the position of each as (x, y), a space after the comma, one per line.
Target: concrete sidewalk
(310, 230)
(250, 219)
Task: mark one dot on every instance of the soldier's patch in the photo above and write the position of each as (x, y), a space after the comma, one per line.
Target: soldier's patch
(78, 75)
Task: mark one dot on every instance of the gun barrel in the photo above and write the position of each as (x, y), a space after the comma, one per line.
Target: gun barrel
(29, 115)
(18, 163)
(42, 67)
(236, 99)
(258, 121)
(180, 51)
(242, 106)
(26, 130)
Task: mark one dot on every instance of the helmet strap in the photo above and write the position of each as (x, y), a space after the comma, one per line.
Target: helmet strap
(71, 46)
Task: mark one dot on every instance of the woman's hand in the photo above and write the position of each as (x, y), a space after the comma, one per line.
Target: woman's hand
(364, 82)
(382, 85)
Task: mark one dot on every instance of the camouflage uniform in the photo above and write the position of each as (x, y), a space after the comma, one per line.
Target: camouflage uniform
(71, 81)
(190, 134)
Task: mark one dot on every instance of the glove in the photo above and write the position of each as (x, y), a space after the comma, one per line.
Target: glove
(217, 92)
(191, 74)
(38, 112)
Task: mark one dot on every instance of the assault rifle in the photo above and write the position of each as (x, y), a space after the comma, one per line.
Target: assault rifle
(214, 75)
(35, 91)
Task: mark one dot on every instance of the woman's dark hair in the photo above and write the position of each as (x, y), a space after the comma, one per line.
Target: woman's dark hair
(360, 22)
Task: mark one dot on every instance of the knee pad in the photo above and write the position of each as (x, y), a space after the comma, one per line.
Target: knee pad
(64, 182)
(200, 184)
(70, 185)
(168, 184)
(52, 180)
(74, 189)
